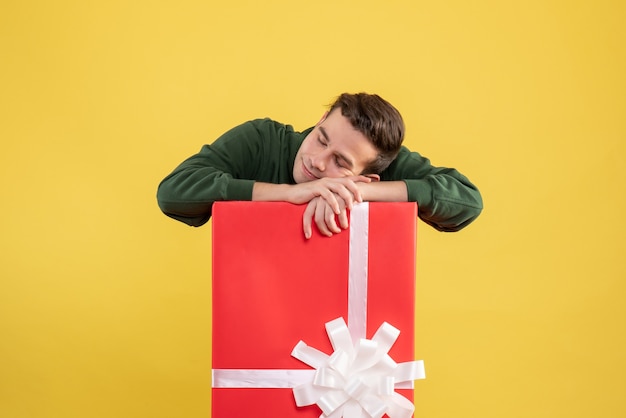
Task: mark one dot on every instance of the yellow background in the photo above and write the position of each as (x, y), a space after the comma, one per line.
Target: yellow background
(105, 302)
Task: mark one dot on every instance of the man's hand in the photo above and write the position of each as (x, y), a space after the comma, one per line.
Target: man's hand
(325, 217)
(330, 189)
(320, 211)
(332, 196)
(328, 198)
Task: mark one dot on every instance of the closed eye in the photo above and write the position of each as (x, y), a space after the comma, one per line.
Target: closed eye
(340, 160)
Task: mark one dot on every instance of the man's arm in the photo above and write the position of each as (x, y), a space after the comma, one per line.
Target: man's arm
(388, 191)
(446, 199)
(249, 162)
(224, 170)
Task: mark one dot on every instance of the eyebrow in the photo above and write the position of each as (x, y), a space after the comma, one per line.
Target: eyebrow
(348, 162)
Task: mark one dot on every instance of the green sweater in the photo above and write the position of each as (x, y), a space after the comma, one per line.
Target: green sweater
(264, 150)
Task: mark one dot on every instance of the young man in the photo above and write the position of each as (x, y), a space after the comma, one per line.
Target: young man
(353, 154)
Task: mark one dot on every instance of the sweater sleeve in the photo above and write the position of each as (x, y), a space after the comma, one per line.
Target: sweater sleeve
(446, 199)
(224, 170)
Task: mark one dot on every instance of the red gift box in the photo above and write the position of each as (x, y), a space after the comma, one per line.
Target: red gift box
(273, 288)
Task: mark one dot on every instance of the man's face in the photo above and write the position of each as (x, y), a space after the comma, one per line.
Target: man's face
(332, 149)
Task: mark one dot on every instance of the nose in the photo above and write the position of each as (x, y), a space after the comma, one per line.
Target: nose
(318, 161)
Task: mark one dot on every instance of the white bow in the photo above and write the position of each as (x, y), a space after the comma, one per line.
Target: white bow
(357, 380)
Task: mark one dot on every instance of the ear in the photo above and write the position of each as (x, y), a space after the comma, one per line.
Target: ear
(374, 177)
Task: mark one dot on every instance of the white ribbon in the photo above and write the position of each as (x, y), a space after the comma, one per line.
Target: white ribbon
(358, 378)
(260, 378)
(357, 270)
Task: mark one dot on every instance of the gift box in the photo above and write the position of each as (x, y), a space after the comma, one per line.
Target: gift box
(274, 290)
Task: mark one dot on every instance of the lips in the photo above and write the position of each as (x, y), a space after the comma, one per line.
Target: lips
(307, 173)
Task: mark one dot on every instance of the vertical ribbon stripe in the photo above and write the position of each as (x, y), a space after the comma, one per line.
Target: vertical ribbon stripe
(357, 271)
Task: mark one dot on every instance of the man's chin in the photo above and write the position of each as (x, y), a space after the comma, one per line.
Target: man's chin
(300, 178)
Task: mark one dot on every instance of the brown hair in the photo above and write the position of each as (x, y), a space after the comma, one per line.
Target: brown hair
(378, 120)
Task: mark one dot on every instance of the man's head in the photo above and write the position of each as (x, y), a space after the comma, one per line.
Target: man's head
(360, 134)
(378, 120)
